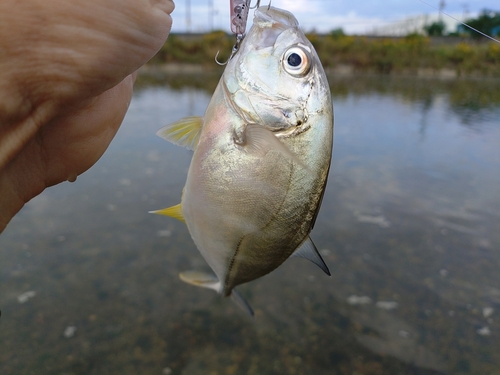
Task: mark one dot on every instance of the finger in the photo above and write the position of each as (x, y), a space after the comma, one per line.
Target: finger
(66, 147)
(73, 144)
(60, 53)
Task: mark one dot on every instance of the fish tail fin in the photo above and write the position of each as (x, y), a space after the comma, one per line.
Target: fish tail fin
(174, 211)
(241, 302)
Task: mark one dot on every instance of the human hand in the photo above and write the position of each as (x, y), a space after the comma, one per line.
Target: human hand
(66, 75)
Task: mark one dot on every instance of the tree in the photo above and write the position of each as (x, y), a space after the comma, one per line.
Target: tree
(337, 32)
(487, 22)
(435, 28)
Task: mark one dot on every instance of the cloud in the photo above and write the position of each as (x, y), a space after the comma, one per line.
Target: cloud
(324, 15)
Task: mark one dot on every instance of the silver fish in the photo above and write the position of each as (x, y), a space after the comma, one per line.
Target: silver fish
(261, 158)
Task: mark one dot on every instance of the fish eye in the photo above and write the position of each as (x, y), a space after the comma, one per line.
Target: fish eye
(296, 61)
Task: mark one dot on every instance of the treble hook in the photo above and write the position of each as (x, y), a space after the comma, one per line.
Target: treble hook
(256, 5)
(236, 47)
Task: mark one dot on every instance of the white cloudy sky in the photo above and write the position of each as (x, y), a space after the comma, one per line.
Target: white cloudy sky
(354, 16)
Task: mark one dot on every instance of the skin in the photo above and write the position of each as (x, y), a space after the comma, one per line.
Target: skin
(67, 70)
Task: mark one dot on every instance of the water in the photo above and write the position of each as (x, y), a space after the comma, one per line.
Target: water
(409, 228)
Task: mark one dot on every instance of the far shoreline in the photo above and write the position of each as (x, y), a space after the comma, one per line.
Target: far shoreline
(341, 70)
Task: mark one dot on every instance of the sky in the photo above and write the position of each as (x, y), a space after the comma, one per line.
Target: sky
(353, 16)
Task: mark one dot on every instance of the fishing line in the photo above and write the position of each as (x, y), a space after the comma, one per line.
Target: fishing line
(463, 23)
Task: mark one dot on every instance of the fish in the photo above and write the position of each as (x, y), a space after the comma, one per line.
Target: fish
(262, 154)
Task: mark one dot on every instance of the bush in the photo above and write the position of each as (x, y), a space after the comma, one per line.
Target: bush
(382, 55)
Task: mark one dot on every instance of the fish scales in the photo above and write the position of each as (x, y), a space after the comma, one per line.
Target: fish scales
(261, 157)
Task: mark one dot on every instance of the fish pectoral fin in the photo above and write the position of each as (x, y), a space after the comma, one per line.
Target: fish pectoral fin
(308, 251)
(259, 140)
(241, 302)
(174, 211)
(185, 132)
(202, 279)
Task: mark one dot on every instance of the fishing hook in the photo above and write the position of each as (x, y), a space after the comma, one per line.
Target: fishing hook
(236, 47)
(256, 5)
(239, 16)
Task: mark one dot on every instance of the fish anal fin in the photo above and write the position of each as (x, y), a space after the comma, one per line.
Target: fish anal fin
(185, 132)
(308, 251)
(259, 140)
(174, 211)
(201, 279)
(241, 302)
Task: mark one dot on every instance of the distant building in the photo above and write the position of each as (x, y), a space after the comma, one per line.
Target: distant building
(414, 25)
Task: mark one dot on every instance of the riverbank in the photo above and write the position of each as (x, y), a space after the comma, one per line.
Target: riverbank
(348, 55)
(159, 71)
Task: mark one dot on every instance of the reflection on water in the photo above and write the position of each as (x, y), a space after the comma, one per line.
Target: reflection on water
(409, 228)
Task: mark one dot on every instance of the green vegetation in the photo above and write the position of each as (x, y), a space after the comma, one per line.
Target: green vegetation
(375, 55)
(488, 22)
(195, 50)
(435, 29)
(407, 55)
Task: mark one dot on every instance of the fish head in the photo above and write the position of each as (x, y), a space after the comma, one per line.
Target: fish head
(276, 78)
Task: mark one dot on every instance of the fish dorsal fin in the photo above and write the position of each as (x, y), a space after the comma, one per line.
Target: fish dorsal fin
(202, 279)
(308, 251)
(259, 140)
(185, 132)
(174, 211)
(241, 302)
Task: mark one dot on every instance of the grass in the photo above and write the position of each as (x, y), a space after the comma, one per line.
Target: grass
(380, 55)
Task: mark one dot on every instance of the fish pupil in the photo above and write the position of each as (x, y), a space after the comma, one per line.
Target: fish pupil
(294, 60)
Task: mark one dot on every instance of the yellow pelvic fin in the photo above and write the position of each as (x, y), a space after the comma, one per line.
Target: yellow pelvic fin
(185, 132)
(174, 211)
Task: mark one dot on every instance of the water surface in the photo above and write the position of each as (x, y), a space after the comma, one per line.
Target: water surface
(409, 228)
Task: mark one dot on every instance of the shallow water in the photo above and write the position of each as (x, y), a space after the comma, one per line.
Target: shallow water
(409, 228)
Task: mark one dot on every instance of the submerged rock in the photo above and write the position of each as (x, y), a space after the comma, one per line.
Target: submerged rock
(26, 296)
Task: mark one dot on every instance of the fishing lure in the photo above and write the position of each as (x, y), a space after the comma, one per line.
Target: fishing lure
(239, 15)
